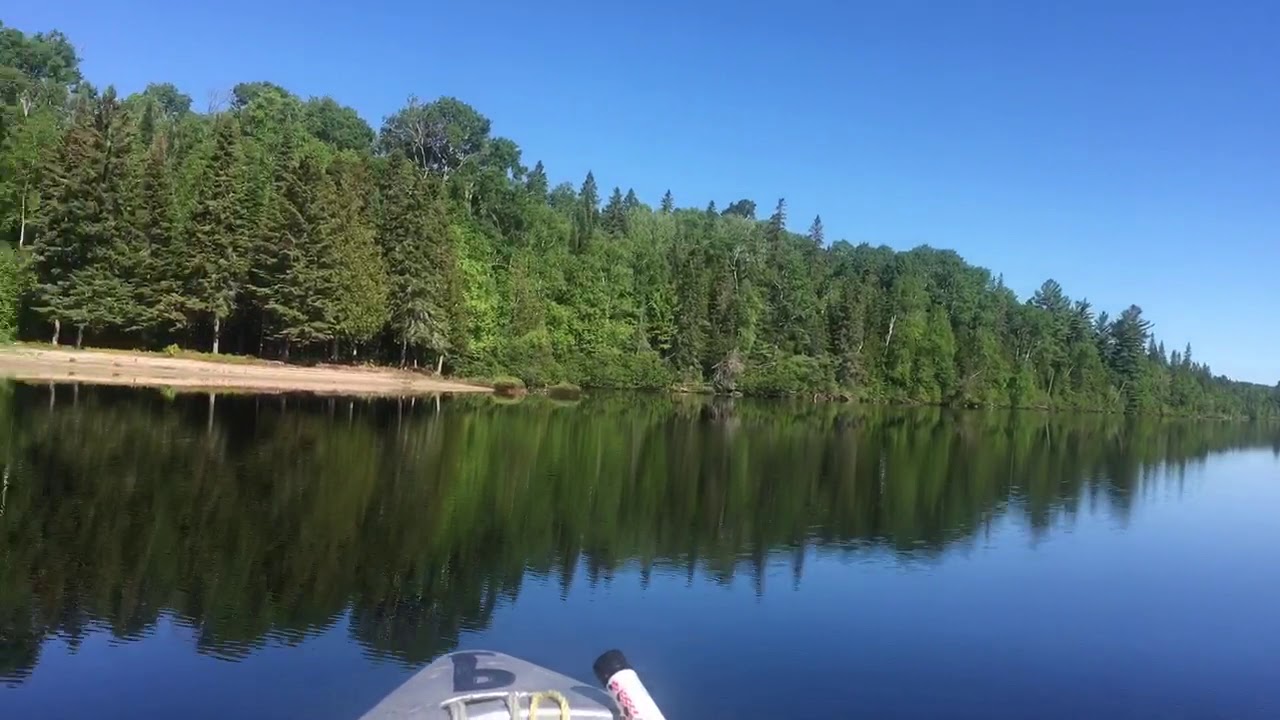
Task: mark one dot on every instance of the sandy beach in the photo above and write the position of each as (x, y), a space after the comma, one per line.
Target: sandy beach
(34, 364)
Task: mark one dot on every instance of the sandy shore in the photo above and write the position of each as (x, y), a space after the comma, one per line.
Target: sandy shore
(121, 368)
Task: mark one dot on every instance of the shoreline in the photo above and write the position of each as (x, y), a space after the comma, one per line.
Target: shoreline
(111, 367)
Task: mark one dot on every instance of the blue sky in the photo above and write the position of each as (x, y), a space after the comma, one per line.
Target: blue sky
(1130, 150)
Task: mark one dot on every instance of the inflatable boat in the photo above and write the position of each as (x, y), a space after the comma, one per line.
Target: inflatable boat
(483, 685)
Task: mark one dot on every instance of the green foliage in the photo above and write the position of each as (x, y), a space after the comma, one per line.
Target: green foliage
(11, 285)
(216, 258)
(564, 391)
(336, 125)
(508, 385)
(788, 375)
(286, 227)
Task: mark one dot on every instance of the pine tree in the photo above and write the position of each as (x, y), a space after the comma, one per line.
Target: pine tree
(218, 234)
(614, 217)
(777, 222)
(119, 271)
(668, 203)
(302, 265)
(587, 213)
(816, 234)
(83, 263)
(162, 295)
(421, 263)
(1129, 335)
(536, 184)
(359, 307)
(743, 208)
(630, 202)
(71, 189)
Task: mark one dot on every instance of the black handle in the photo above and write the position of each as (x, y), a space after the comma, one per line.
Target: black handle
(610, 664)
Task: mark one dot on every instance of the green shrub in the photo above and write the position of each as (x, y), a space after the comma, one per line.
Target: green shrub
(565, 391)
(10, 288)
(613, 368)
(508, 386)
(172, 350)
(530, 357)
(787, 375)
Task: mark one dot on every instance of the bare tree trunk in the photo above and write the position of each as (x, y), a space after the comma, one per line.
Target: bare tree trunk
(22, 219)
(217, 332)
(889, 336)
(333, 354)
(1052, 376)
(404, 348)
(440, 364)
(285, 355)
(57, 330)
(79, 336)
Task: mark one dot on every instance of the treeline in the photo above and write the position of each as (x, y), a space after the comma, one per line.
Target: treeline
(285, 227)
(250, 519)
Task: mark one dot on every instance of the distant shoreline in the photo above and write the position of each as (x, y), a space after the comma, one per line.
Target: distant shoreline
(109, 367)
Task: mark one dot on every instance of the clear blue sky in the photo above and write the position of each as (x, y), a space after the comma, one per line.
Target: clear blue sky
(1130, 150)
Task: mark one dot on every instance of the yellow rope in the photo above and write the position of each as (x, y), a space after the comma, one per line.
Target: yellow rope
(538, 697)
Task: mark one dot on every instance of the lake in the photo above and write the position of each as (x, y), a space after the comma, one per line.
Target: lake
(292, 556)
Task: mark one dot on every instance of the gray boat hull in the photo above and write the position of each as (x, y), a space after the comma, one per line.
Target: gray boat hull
(483, 685)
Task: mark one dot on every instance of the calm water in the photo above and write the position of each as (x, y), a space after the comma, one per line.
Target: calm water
(301, 557)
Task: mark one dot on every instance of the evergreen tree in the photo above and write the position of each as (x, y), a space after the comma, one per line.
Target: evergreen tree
(359, 307)
(614, 218)
(668, 203)
(302, 263)
(741, 208)
(218, 232)
(587, 213)
(536, 184)
(72, 200)
(816, 234)
(83, 263)
(421, 263)
(777, 222)
(161, 294)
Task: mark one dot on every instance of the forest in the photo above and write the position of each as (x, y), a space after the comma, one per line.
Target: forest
(277, 226)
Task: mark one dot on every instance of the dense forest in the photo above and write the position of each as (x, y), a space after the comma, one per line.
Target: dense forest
(284, 227)
(253, 519)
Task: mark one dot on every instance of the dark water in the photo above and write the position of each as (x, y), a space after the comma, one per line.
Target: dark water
(300, 557)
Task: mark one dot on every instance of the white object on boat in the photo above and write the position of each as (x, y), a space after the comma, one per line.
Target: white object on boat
(629, 694)
(483, 685)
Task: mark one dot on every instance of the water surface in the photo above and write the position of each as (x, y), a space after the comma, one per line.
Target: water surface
(289, 556)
